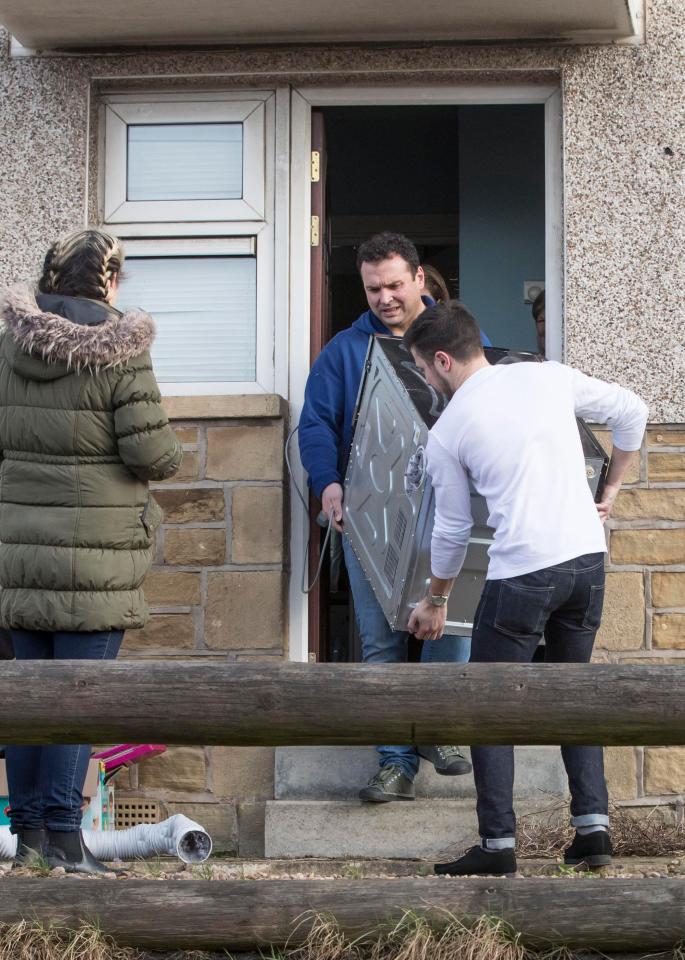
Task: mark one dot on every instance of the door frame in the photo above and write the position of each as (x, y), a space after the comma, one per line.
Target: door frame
(303, 99)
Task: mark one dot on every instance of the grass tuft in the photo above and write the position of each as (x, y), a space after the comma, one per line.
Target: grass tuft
(30, 940)
(436, 935)
(546, 834)
(203, 871)
(155, 868)
(36, 864)
(325, 941)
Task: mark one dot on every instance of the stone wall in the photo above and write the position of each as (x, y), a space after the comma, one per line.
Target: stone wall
(217, 590)
(644, 613)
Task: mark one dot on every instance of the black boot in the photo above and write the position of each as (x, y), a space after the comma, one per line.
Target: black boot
(67, 849)
(477, 861)
(594, 849)
(30, 847)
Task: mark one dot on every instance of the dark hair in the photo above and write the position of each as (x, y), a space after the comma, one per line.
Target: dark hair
(538, 305)
(435, 284)
(448, 327)
(82, 264)
(383, 245)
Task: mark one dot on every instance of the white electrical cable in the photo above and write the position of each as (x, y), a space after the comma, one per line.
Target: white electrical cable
(178, 835)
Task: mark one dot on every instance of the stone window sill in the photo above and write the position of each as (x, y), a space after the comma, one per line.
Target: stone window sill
(242, 407)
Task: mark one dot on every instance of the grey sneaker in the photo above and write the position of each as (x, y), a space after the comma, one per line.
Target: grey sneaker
(449, 761)
(388, 784)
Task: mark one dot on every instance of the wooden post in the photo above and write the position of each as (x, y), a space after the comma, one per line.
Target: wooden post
(293, 703)
(605, 914)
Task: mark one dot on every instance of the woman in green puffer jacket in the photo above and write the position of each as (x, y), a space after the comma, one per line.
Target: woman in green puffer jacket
(82, 431)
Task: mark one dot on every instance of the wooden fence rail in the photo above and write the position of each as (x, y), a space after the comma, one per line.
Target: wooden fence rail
(605, 914)
(292, 703)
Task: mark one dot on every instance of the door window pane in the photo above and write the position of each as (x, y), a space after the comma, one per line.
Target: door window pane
(185, 161)
(205, 309)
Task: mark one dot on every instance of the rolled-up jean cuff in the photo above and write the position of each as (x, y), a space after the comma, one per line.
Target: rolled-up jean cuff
(498, 843)
(590, 820)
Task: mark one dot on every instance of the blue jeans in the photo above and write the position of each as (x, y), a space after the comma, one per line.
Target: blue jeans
(45, 782)
(380, 644)
(564, 603)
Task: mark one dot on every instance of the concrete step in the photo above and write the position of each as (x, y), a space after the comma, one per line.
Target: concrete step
(338, 773)
(422, 829)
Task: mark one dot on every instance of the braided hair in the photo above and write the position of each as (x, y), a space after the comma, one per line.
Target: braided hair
(82, 264)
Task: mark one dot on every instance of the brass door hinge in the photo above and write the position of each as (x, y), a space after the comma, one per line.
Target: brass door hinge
(315, 234)
(316, 166)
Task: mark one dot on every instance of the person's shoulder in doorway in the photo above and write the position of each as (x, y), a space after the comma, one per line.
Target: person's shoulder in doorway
(340, 363)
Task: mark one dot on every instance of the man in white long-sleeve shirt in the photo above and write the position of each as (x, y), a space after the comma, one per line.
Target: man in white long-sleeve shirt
(511, 430)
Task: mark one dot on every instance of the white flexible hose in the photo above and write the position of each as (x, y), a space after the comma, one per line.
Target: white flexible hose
(8, 844)
(176, 835)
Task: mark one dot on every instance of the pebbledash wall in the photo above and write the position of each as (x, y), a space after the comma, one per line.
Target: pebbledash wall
(218, 587)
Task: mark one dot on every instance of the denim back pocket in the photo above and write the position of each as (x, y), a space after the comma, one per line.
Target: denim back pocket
(593, 613)
(522, 611)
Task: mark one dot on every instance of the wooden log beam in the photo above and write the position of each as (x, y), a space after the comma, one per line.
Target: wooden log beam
(294, 703)
(606, 914)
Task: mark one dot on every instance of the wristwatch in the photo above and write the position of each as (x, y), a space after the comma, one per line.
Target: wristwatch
(437, 600)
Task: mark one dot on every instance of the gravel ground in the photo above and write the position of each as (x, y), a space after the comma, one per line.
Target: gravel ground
(235, 869)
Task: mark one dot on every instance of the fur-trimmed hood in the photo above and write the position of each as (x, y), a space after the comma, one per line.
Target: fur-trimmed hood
(107, 338)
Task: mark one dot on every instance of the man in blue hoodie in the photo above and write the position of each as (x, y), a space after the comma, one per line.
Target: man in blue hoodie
(393, 283)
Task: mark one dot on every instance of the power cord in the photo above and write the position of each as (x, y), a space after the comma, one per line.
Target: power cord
(322, 517)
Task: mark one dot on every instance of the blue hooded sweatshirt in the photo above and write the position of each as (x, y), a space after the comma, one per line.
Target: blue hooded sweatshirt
(330, 398)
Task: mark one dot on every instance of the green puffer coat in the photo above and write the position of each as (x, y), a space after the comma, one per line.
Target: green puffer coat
(82, 431)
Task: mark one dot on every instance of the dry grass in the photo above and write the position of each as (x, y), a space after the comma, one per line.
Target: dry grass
(546, 834)
(29, 940)
(415, 936)
(325, 941)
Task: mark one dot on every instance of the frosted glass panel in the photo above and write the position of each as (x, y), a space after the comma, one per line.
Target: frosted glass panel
(185, 161)
(205, 309)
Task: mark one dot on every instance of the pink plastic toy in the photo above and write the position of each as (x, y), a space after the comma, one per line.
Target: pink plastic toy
(125, 754)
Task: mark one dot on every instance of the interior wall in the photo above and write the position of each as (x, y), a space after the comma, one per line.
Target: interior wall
(392, 160)
(501, 217)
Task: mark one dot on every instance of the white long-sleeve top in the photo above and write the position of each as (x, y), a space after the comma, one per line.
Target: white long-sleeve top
(512, 430)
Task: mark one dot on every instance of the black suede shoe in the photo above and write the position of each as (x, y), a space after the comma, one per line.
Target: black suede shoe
(67, 849)
(30, 848)
(476, 861)
(594, 849)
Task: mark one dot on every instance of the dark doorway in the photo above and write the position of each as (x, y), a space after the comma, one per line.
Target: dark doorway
(466, 185)
(390, 168)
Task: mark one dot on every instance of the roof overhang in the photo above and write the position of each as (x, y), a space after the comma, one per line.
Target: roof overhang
(99, 25)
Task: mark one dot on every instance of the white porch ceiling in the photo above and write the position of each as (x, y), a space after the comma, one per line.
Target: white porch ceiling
(101, 24)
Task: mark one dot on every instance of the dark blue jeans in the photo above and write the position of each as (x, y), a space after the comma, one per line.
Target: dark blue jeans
(45, 782)
(564, 603)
